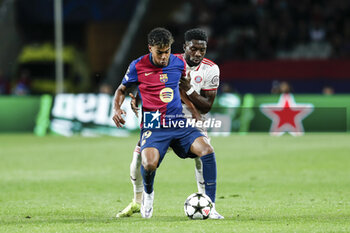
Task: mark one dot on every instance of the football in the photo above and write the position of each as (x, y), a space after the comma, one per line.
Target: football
(198, 206)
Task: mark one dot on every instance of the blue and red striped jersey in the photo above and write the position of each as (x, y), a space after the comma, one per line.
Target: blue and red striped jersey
(158, 86)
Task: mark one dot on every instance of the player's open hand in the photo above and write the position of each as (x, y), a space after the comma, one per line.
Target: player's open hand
(118, 118)
(133, 104)
(185, 82)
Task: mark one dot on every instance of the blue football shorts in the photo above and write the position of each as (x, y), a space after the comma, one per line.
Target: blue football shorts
(179, 139)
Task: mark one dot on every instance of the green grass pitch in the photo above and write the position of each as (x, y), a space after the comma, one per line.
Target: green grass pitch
(265, 184)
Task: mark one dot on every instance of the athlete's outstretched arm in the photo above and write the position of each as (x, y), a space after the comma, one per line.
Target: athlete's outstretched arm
(119, 97)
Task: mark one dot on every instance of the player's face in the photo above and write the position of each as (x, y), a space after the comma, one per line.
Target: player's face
(195, 51)
(160, 55)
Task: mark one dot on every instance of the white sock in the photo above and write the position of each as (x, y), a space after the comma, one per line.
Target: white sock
(135, 174)
(199, 175)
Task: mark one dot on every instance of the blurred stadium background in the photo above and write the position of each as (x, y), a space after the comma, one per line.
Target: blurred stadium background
(305, 42)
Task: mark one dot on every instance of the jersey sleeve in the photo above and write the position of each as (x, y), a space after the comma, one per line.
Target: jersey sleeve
(183, 64)
(130, 76)
(212, 79)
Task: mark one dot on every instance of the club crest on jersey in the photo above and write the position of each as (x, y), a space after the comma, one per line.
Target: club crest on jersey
(198, 79)
(166, 95)
(163, 78)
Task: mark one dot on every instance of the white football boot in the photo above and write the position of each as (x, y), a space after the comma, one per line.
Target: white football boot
(214, 214)
(147, 205)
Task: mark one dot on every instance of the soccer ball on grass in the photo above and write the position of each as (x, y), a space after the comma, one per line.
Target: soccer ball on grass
(198, 206)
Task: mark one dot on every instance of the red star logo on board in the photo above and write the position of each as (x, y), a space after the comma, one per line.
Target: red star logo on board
(286, 115)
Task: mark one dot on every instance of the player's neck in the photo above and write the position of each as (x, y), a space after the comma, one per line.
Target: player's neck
(192, 64)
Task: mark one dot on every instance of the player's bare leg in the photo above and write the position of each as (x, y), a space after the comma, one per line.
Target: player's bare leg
(205, 152)
(136, 180)
(150, 158)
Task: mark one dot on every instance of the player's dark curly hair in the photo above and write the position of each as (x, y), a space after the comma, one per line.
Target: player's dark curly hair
(196, 34)
(160, 37)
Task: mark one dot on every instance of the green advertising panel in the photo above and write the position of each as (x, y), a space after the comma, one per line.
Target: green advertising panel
(18, 113)
(91, 114)
(328, 113)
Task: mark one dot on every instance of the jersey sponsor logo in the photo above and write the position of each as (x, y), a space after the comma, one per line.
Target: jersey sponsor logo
(198, 79)
(166, 95)
(163, 78)
(146, 74)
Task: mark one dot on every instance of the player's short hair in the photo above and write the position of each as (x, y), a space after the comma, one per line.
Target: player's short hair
(196, 34)
(160, 37)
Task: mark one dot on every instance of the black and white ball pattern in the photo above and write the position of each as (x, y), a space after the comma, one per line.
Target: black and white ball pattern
(198, 206)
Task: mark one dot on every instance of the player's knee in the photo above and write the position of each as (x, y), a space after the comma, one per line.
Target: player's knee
(207, 149)
(150, 159)
(149, 166)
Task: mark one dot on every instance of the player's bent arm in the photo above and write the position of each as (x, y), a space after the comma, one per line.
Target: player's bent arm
(204, 101)
(134, 103)
(119, 97)
(192, 108)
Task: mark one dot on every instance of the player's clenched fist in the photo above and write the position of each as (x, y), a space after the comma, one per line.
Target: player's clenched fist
(118, 118)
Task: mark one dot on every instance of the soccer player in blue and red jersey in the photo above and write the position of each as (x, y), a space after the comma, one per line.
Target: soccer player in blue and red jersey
(157, 75)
